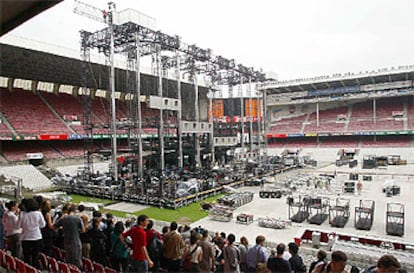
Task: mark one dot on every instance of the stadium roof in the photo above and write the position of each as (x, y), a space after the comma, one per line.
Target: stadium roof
(28, 64)
(16, 12)
(402, 73)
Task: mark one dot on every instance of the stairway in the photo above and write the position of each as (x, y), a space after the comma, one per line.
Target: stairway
(405, 111)
(349, 115)
(55, 112)
(304, 123)
(7, 123)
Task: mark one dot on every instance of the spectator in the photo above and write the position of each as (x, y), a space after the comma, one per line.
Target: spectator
(278, 263)
(154, 246)
(72, 227)
(108, 228)
(216, 237)
(173, 248)
(385, 264)
(119, 253)
(140, 260)
(98, 242)
(257, 254)
(318, 265)
(337, 263)
(31, 221)
(219, 256)
(186, 233)
(85, 240)
(2, 210)
(48, 232)
(195, 251)
(296, 262)
(243, 247)
(59, 234)
(12, 231)
(207, 262)
(163, 263)
(231, 256)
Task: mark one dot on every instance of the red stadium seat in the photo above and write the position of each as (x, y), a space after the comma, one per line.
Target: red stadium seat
(63, 267)
(99, 268)
(59, 254)
(53, 265)
(31, 269)
(2, 258)
(43, 261)
(87, 265)
(74, 269)
(110, 270)
(10, 263)
(20, 265)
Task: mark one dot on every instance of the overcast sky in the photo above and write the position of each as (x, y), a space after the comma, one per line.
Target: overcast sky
(293, 38)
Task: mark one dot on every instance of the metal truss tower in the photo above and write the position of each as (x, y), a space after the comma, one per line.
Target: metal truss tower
(123, 37)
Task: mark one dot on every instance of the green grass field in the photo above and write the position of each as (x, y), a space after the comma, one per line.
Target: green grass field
(80, 198)
(183, 215)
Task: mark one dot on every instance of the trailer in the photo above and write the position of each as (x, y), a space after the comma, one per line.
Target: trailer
(395, 219)
(298, 208)
(339, 213)
(364, 214)
(318, 210)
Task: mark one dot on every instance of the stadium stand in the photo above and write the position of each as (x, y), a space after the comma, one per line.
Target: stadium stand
(17, 150)
(288, 125)
(74, 148)
(410, 114)
(361, 118)
(328, 121)
(67, 105)
(31, 177)
(3, 129)
(28, 115)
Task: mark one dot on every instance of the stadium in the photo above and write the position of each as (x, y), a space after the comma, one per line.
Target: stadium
(138, 115)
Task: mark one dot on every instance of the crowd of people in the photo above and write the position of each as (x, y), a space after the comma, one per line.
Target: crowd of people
(134, 245)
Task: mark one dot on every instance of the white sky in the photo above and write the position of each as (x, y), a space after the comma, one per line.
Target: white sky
(293, 38)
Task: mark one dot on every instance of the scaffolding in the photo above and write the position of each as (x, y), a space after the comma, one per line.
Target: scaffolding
(298, 208)
(395, 219)
(339, 213)
(318, 210)
(364, 214)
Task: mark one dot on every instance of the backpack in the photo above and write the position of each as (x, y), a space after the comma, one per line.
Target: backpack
(188, 257)
(154, 248)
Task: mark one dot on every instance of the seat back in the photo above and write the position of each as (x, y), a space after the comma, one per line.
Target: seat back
(87, 265)
(110, 270)
(53, 265)
(31, 269)
(2, 258)
(74, 269)
(63, 267)
(20, 265)
(10, 263)
(99, 268)
(58, 254)
(43, 261)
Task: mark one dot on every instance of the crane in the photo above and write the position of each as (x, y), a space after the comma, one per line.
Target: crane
(90, 12)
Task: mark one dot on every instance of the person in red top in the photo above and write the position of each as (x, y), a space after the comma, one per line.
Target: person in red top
(140, 260)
